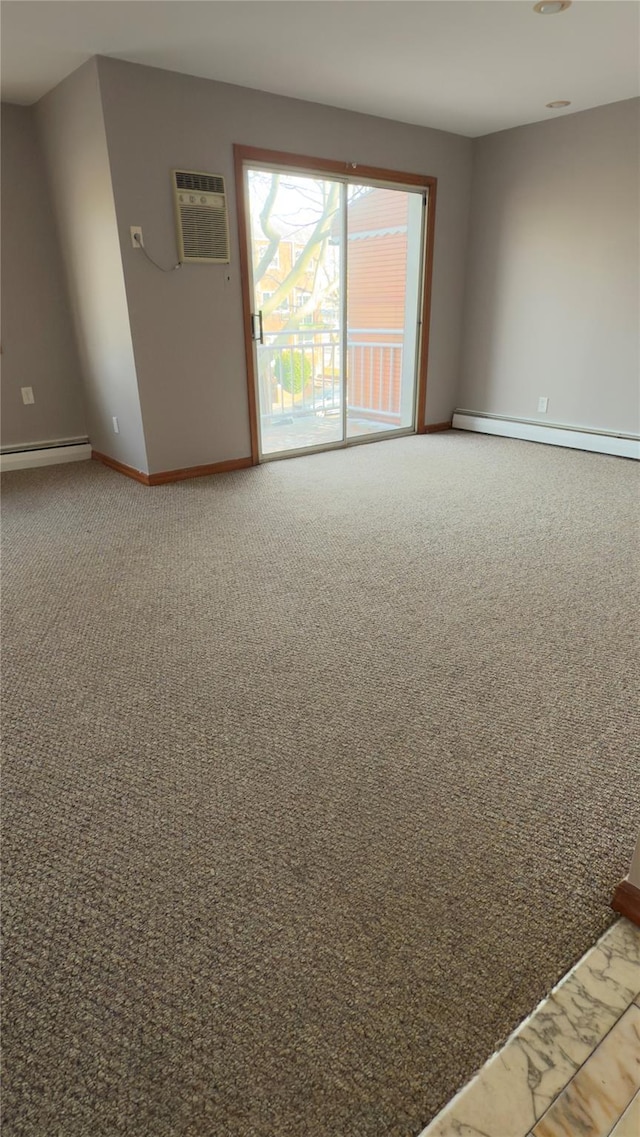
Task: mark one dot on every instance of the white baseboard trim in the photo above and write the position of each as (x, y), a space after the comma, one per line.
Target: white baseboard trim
(623, 446)
(48, 456)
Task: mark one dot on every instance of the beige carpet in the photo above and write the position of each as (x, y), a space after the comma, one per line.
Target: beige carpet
(317, 777)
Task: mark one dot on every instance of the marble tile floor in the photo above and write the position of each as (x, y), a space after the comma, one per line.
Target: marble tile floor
(572, 1069)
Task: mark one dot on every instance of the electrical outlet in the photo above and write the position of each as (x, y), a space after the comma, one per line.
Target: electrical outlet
(27, 395)
(137, 240)
(116, 428)
(543, 403)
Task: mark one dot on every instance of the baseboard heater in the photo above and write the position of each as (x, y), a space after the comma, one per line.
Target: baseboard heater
(554, 434)
(44, 453)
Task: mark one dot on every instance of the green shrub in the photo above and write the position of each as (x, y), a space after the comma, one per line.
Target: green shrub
(293, 369)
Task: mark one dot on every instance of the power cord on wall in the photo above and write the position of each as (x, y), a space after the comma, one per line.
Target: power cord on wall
(139, 245)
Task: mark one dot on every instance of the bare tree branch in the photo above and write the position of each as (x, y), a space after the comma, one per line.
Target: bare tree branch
(314, 248)
(272, 235)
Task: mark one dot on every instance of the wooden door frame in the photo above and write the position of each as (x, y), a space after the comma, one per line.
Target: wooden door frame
(242, 155)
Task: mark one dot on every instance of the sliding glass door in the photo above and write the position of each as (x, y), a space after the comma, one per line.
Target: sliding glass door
(336, 279)
(384, 276)
(296, 227)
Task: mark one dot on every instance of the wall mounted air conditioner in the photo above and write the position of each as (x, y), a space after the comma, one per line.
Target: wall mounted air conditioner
(201, 216)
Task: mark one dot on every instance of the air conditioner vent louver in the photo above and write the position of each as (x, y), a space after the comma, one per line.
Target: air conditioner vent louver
(208, 183)
(202, 217)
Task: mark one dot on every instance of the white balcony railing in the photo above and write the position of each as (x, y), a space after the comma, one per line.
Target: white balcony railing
(303, 377)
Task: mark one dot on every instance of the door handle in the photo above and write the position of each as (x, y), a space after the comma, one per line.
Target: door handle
(259, 338)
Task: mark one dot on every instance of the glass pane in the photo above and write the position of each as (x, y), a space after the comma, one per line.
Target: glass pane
(384, 233)
(296, 246)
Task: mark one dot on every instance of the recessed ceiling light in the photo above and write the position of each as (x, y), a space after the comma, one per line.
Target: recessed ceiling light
(551, 7)
(555, 106)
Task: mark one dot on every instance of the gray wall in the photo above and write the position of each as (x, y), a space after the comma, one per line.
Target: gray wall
(75, 148)
(187, 326)
(552, 295)
(38, 343)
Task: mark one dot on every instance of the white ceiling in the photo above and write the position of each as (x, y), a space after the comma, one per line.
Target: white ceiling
(469, 66)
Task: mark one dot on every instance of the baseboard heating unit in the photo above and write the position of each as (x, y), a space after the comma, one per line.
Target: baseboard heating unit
(554, 434)
(44, 454)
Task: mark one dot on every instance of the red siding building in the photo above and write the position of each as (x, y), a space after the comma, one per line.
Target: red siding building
(377, 272)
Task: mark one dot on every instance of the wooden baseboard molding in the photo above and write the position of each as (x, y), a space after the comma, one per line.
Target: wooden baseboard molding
(166, 476)
(113, 464)
(45, 456)
(554, 434)
(434, 427)
(626, 901)
(163, 477)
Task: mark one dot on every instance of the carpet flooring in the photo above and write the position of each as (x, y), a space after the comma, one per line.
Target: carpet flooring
(317, 776)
